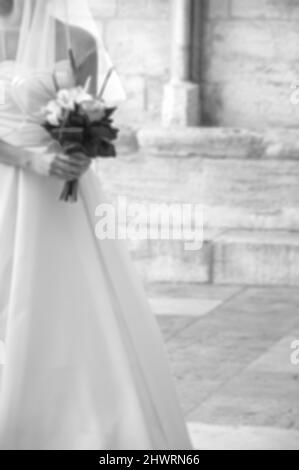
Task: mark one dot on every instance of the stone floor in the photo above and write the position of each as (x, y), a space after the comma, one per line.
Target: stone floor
(230, 352)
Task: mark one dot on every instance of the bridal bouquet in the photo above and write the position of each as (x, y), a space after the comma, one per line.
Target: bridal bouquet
(76, 119)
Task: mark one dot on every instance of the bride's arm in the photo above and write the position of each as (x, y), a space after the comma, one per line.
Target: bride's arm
(14, 156)
(62, 166)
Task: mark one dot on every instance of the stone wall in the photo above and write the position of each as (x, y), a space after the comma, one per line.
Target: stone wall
(250, 58)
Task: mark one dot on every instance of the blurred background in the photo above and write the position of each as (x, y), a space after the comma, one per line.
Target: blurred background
(210, 119)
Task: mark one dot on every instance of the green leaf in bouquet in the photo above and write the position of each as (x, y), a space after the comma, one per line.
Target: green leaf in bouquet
(102, 131)
(100, 148)
(109, 112)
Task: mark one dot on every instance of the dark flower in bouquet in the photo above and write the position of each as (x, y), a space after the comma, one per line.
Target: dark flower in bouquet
(76, 119)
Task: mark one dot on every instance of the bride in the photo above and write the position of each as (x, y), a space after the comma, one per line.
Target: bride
(85, 366)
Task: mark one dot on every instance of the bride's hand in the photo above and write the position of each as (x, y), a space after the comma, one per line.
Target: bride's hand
(69, 166)
(65, 166)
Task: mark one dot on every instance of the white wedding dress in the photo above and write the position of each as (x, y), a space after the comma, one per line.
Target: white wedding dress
(85, 364)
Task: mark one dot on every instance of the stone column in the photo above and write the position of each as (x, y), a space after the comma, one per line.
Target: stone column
(181, 101)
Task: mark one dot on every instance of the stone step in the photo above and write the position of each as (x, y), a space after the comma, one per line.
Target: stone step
(251, 194)
(248, 186)
(220, 142)
(202, 142)
(256, 257)
(227, 257)
(255, 194)
(247, 179)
